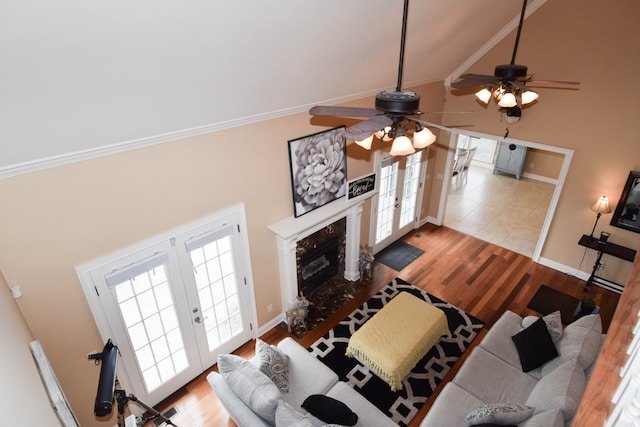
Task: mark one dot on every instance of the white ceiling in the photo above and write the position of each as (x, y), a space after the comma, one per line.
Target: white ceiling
(77, 75)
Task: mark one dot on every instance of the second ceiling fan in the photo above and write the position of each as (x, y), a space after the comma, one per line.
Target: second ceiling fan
(507, 85)
(389, 120)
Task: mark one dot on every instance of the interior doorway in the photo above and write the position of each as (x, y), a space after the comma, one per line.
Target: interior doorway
(507, 208)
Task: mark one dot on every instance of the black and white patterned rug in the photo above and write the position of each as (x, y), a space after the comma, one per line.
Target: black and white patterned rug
(402, 405)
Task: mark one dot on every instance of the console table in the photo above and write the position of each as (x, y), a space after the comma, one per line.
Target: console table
(602, 248)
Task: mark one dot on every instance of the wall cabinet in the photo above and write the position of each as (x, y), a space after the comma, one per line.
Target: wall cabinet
(510, 159)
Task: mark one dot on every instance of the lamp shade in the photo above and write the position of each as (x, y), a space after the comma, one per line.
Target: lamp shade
(602, 206)
(508, 100)
(528, 96)
(401, 146)
(365, 143)
(423, 138)
(484, 95)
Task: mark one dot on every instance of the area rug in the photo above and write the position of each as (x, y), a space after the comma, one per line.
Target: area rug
(398, 255)
(547, 300)
(402, 405)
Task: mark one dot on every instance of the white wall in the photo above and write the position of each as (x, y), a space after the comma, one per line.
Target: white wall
(24, 399)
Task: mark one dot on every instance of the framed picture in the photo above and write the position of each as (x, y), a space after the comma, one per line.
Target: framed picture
(318, 165)
(627, 213)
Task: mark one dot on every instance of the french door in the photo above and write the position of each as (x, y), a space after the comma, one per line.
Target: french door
(173, 304)
(397, 199)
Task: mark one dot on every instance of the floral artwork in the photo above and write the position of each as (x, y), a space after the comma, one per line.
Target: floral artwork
(318, 169)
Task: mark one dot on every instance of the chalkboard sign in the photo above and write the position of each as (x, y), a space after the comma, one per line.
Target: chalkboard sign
(360, 186)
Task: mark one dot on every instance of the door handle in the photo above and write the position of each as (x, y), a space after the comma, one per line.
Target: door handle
(198, 319)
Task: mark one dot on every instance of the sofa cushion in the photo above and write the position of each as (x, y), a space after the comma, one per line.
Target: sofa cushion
(253, 387)
(551, 418)
(274, 364)
(330, 410)
(498, 339)
(559, 389)
(287, 416)
(535, 346)
(553, 322)
(500, 413)
(368, 414)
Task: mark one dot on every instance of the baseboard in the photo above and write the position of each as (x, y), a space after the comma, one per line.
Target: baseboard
(270, 324)
(564, 268)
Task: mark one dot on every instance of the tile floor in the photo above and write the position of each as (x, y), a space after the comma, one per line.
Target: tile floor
(499, 209)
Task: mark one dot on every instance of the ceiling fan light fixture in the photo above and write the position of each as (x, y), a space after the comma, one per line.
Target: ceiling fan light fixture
(384, 134)
(508, 100)
(366, 143)
(528, 96)
(484, 95)
(402, 146)
(423, 138)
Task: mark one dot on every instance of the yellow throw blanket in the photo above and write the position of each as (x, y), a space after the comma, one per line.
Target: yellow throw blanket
(397, 337)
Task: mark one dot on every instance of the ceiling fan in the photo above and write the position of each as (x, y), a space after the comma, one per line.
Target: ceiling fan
(508, 82)
(389, 120)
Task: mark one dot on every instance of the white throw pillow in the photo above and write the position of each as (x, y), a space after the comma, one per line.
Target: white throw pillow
(253, 387)
(499, 413)
(287, 416)
(274, 364)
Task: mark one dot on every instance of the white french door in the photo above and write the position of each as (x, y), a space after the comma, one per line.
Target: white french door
(172, 304)
(397, 199)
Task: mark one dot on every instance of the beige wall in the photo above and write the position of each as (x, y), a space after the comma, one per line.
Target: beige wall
(56, 219)
(596, 45)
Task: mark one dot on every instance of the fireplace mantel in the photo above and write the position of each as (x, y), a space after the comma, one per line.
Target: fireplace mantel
(291, 230)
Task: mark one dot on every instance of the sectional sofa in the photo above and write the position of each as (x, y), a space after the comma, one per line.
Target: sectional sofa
(491, 386)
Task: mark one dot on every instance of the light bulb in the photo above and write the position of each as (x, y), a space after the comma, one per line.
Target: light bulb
(528, 96)
(401, 146)
(366, 143)
(484, 95)
(508, 100)
(383, 134)
(423, 138)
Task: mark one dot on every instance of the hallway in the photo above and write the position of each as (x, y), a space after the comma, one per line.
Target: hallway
(499, 209)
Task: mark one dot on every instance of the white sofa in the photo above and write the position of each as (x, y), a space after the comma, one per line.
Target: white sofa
(493, 374)
(306, 376)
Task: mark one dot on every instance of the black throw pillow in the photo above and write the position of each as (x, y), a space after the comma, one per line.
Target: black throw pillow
(330, 410)
(535, 346)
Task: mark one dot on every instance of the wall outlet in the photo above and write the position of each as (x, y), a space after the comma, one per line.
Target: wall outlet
(270, 308)
(531, 165)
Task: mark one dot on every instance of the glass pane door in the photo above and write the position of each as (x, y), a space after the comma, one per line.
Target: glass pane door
(397, 199)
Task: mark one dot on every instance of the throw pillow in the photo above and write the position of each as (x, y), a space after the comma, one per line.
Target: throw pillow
(287, 416)
(499, 413)
(330, 410)
(535, 346)
(553, 322)
(253, 387)
(274, 364)
(493, 425)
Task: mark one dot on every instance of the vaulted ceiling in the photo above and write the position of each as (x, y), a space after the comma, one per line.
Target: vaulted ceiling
(79, 75)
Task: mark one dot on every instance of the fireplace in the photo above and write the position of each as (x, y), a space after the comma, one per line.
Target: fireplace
(296, 233)
(320, 257)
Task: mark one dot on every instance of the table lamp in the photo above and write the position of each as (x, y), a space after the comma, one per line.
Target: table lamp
(600, 207)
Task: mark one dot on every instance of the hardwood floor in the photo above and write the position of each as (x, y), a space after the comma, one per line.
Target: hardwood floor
(476, 276)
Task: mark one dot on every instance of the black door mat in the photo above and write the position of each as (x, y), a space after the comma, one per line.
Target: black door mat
(547, 300)
(398, 255)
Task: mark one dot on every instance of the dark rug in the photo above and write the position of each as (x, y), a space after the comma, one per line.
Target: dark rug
(547, 300)
(398, 255)
(402, 405)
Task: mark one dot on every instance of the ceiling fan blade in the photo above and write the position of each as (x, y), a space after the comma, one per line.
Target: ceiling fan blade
(552, 82)
(472, 83)
(478, 77)
(367, 128)
(435, 125)
(343, 111)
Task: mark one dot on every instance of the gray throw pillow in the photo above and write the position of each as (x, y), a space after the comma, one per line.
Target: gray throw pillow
(287, 416)
(253, 387)
(560, 389)
(499, 413)
(274, 364)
